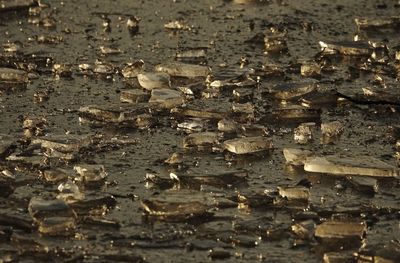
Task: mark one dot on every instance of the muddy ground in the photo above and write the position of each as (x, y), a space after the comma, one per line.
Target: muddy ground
(236, 226)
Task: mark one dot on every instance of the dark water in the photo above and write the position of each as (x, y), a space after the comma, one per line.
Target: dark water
(247, 234)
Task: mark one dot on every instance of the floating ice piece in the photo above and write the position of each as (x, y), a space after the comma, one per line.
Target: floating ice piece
(10, 75)
(131, 70)
(286, 91)
(183, 70)
(347, 48)
(303, 134)
(58, 174)
(296, 156)
(331, 131)
(91, 173)
(296, 113)
(62, 70)
(175, 211)
(191, 54)
(6, 5)
(275, 42)
(222, 180)
(310, 69)
(248, 145)
(228, 126)
(166, 98)
(364, 184)
(69, 192)
(202, 139)
(192, 125)
(294, 192)
(340, 230)
(360, 165)
(134, 96)
(177, 25)
(53, 217)
(63, 143)
(151, 81)
(376, 23)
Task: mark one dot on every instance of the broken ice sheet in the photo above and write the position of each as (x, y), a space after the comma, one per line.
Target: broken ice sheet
(292, 90)
(69, 192)
(134, 96)
(275, 42)
(200, 140)
(220, 180)
(296, 156)
(346, 165)
(192, 55)
(183, 70)
(228, 126)
(331, 131)
(192, 125)
(296, 113)
(151, 81)
(63, 143)
(248, 145)
(91, 174)
(347, 48)
(53, 217)
(166, 98)
(341, 233)
(56, 175)
(175, 211)
(298, 193)
(367, 185)
(10, 77)
(377, 23)
(6, 5)
(132, 69)
(303, 134)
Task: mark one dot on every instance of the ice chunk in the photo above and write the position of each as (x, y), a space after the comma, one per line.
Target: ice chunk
(364, 184)
(53, 217)
(310, 69)
(296, 156)
(58, 174)
(192, 125)
(303, 134)
(183, 70)
(62, 70)
(6, 5)
(297, 113)
(69, 192)
(91, 173)
(166, 98)
(377, 23)
(292, 90)
(151, 81)
(11, 75)
(134, 96)
(360, 165)
(228, 126)
(131, 70)
(248, 145)
(331, 131)
(175, 211)
(275, 42)
(294, 192)
(347, 48)
(340, 230)
(200, 139)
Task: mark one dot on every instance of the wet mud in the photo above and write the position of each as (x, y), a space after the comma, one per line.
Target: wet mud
(195, 131)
